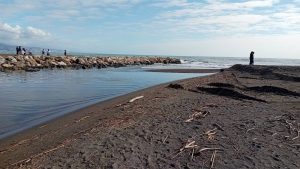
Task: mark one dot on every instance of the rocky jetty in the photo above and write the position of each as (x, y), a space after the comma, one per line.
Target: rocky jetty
(35, 63)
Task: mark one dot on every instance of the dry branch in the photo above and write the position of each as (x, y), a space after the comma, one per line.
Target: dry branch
(82, 119)
(196, 114)
(206, 149)
(188, 145)
(298, 135)
(250, 129)
(165, 139)
(212, 159)
(134, 99)
(211, 134)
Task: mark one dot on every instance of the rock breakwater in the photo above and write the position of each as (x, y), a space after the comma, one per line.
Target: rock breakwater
(35, 63)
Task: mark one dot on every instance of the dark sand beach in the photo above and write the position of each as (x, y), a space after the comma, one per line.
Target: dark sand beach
(243, 117)
(185, 70)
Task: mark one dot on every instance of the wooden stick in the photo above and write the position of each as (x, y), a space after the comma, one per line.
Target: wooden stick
(165, 139)
(136, 98)
(205, 149)
(82, 119)
(298, 135)
(193, 151)
(212, 159)
(250, 129)
(210, 131)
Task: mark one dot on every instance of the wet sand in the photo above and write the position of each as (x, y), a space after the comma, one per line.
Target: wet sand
(185, 70)
(244, 117)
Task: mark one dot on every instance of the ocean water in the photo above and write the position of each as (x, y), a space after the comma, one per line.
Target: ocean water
(30, 98)
(201, 62)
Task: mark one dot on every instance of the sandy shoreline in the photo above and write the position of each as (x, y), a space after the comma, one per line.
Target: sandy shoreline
(185, 70)
(250, 124)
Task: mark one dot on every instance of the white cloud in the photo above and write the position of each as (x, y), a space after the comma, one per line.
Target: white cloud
(171, 3)
(223, 17)
(32, 32)
(6, 28)
(17, 34)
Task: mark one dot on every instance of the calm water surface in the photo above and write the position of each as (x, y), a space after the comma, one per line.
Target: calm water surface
(30, 98)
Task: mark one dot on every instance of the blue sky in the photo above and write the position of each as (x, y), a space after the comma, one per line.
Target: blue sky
(162, 27)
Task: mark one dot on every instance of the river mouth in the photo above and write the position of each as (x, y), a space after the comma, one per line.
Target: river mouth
(31, 98)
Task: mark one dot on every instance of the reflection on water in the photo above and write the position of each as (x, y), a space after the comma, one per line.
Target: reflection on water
(29, 98)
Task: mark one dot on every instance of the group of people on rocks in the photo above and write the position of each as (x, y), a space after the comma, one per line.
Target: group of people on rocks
(23, 51)
(48, 52)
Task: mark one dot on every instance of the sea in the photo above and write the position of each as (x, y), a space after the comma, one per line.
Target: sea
(28, 99)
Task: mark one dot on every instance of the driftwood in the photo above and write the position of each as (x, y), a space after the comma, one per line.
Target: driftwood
(212, 159)
(197, 114)
(82, 119)
(134, 99)
(165, 139)
(211, 134)
(188, 145)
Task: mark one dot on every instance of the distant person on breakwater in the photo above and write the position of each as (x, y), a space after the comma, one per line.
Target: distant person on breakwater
(251, 58)
(43, 52)
(23, 51)
(48, 52)
(65, 52)
(29, 52)
(18, 50)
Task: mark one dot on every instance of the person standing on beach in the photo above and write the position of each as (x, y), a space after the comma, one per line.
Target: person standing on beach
(65, 52)
(17, 50)
(43, 52)
(251, 58)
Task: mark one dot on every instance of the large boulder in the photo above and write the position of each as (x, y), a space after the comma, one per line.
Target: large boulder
(7, 66)
(2, 60)
(61, 64)
(12, 59)
(80, 61)
(53, 64)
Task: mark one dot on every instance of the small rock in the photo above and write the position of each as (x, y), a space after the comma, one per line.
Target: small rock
(2, 60)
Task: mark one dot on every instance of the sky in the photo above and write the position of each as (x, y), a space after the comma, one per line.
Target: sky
(229, 28)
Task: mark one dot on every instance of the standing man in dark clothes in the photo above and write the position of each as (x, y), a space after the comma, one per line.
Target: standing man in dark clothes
(43, 52)
(17, 50)
(48, 52)
(65, 53)
(251, 58)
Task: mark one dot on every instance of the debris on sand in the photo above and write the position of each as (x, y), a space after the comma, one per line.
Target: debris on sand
(189, 145)
(136, 98)
(212, 159)
(197, 114)
(211, 134)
